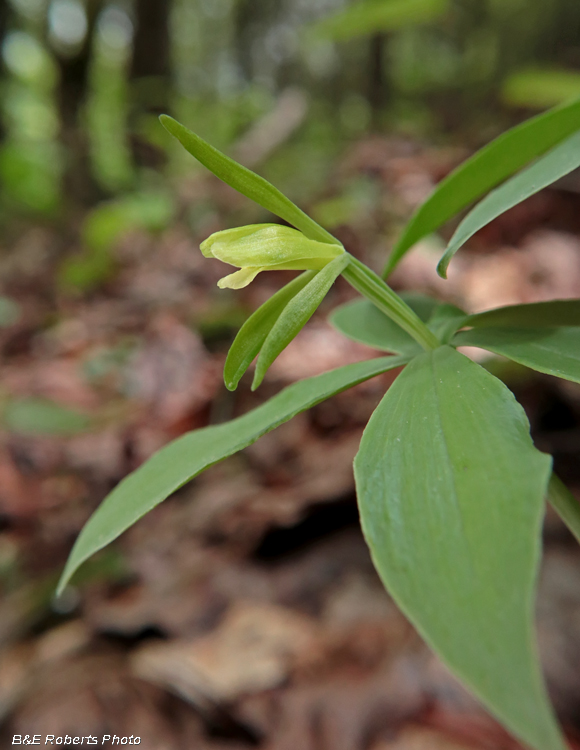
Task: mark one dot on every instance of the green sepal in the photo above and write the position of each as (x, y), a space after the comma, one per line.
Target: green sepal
(255, 330)
(246, 182)
(296, 314)
(192, 453)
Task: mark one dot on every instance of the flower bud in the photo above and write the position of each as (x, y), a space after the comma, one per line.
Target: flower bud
(266, 247)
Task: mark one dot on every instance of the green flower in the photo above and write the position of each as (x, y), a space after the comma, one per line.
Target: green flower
(266, 247)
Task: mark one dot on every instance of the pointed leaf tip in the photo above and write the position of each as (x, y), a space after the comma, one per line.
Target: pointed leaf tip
(192, 453)
(543, 172)
(296, 314)
(253, 333)
(484, 171)
(246, 182)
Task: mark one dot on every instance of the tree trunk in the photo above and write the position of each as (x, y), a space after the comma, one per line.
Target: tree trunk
(151, 49)
(79, 184)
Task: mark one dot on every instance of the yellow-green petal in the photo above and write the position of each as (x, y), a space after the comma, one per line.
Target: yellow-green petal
(239, 279)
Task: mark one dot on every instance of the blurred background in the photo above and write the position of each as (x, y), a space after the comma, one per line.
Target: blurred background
(244, 612)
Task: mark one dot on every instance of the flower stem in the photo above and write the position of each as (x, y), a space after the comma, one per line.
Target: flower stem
(371, 286)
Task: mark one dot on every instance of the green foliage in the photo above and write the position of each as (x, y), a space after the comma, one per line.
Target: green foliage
(563, 312)
(29, 173)
(363, 322)
(450, 487)
(565, 504)
(374, 16)
(548, 169)
(190, 454)
(451, 494)
(485, 170)
(104, 226)
(555, 351)
(537, 88)
(382, 296)
(296, 314)
(445, 321)
(37, 416)
(246, 182)
(254, 332)
(106, 116)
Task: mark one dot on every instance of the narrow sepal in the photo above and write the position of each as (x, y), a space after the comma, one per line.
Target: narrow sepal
(255, 330)
(296, 314)
(246, 182)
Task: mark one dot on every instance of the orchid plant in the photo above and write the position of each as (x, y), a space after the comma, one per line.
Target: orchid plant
(451, 489)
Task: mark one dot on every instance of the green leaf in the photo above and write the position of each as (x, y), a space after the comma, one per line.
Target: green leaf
(362, 321)
(246, 182)
(548, 169)
(189, 455)
(255, 330)
(451, 494)
(38, 416)
(565, 505)
(555, 351)
(371, 17)
(296, 314)
(377, 291)
(445, 321)
(564, 312)
(486, 169)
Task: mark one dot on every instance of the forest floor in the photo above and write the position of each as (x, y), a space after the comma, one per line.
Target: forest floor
(244, 611)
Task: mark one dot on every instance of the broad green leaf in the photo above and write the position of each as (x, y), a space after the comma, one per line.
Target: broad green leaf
(561, 312)
(255, 330)
(555, 351)
(373, 16)
(486, 169)
(361, 321)
(548, 169)
(189, 455)
(296, 314)
(565, 505)
(38, 416)
(451, 494)
(246, 182)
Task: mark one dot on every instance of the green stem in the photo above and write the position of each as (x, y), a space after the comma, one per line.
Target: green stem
(565, 505)
(371, 286)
